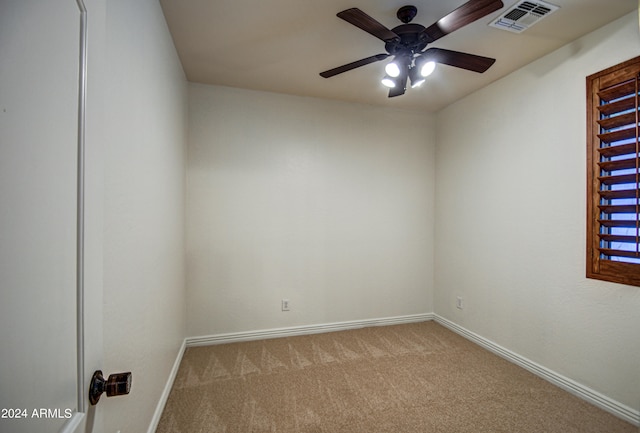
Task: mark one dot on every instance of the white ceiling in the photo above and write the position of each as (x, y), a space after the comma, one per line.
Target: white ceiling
(282, 45)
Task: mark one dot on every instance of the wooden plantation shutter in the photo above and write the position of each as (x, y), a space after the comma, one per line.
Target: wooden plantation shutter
(613, 165)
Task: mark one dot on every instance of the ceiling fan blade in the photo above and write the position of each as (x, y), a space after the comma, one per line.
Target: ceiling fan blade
(359, 19)
(465, 14)
(353, 65)
(400, 88)
(470, 62)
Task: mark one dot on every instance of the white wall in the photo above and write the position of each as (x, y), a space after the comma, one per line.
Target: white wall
(327, 204)
(144, 148)
(510, 220)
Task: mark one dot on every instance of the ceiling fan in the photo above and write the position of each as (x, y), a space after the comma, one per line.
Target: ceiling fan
(407, 44)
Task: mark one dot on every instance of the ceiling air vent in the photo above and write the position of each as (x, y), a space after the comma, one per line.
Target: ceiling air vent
(523, 15)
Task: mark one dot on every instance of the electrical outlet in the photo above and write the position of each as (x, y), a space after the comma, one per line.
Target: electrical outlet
(285, 305)
(459, 304)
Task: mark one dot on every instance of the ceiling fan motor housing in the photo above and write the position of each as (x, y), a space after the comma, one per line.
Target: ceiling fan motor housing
(413, 40)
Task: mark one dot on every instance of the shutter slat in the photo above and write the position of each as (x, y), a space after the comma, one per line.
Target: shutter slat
(611, 93)
(623, 149)
(618, 209)
(617, 107)
(618, 223)
(622, 164)
(623, 134)
(628, 120)
(619, 253)
(617, 180)
(624, 193)
(618, 238)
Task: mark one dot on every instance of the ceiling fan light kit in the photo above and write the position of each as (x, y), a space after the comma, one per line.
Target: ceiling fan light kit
(417, 70)
(407, 43)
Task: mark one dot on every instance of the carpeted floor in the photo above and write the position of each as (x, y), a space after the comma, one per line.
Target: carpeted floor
(402, 379)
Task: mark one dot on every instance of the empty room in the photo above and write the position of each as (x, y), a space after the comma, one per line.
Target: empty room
(329, 216)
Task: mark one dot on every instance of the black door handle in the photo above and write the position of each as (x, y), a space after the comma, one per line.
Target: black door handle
(117, 384)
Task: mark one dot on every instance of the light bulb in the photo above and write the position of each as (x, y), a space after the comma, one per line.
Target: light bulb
(427, 69)
(392, 69)
(388, 82)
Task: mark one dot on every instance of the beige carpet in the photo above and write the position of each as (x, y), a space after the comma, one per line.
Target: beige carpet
(402, 379)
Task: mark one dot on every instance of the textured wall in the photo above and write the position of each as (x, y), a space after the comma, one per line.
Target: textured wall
(510, 220)
(144, 171)
(327, 204)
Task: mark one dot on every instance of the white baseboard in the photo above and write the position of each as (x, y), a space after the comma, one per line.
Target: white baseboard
(235, 337)
(614, 407)
(167, 390)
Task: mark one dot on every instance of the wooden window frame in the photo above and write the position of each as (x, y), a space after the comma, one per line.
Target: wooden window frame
(599, 265)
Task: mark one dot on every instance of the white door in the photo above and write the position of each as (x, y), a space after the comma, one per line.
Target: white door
(39, 70)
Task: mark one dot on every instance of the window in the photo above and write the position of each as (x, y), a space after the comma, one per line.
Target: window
(613, 163)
